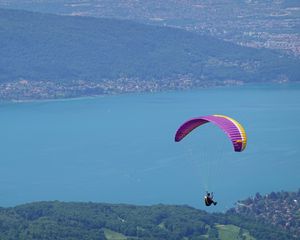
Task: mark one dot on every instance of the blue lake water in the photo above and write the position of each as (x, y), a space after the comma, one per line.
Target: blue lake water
(121, 149)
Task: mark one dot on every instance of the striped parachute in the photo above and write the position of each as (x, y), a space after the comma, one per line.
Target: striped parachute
(231, 127)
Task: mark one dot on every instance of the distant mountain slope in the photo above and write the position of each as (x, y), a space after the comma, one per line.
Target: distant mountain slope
(260, 24)
(58, 220)
(38, 46)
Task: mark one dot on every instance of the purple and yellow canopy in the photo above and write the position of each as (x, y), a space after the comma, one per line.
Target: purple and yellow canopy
(231, 127)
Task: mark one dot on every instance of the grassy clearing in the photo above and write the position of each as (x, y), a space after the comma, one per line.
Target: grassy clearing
(232, 232)
(111, 235)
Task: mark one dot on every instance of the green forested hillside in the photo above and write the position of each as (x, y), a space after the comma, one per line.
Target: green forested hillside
(44, 47)
(58, 220)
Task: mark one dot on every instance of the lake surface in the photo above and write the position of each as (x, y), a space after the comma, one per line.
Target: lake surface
(121, 149)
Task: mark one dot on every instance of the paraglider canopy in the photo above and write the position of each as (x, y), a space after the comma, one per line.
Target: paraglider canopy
(231, 127)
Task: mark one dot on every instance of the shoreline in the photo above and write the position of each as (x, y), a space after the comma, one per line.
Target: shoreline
(86, 97)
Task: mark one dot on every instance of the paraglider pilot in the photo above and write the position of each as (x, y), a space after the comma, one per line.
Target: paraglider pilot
(208, 199)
